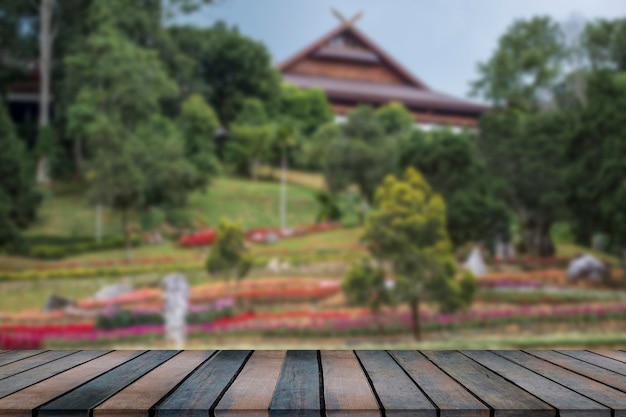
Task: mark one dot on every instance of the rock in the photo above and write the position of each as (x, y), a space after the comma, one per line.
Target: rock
(112, 291)
(57, 302)
(176, 292)
(587, 267)
(475, 263)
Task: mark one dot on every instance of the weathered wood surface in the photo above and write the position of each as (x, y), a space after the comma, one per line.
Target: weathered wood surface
(538, 383)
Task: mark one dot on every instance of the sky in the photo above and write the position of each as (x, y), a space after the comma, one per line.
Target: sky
(441, 42)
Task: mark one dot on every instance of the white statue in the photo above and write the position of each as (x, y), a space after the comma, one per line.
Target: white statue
(475, 263)
(176, 304)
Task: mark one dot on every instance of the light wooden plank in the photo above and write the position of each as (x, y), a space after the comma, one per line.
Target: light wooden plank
(83, 399)
(20, 381)
(601, 393)
(251, 393)
(569, 403)
(617, 381)
(347, 392)
(201, 390)
(297, 392)
(16, 355)
(136, 399)
(505, 398)
(398, 394)
(598, 360)
(95, 363)
(32, 362)
(613, 354)
(452, 399)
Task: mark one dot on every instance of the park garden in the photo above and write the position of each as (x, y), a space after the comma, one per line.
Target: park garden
(175, 149)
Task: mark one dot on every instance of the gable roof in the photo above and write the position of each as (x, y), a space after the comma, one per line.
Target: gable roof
(347, 28)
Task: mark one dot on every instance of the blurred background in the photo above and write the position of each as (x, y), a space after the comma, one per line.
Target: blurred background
(278, 174)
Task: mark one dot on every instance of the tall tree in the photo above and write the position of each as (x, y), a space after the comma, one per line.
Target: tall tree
(310, 108)
(605, 42)
(395, 119)
(408, 231)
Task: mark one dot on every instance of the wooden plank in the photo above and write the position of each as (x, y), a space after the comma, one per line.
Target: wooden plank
(601, 393)
(613, 354)
(32, 376)
(297, 391)
(136, 399)
(81, 400)
(202, 389)
(346, 389)
(251, 393)
(617, 381)
(598, 360)
(23, 402)
(452, 399)
(16, 355)
(569, 403)
(504, 397)
(32, 362)
(398, 394)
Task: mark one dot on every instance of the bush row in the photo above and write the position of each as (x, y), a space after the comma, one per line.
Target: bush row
(126, 318)
(55, 247)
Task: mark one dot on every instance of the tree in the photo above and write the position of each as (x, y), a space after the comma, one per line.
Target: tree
(229, 256)
(526, 65)
(364, 284)
(395, 119)
(309, 107)
(605, 42)
(408, 231)
(198, 124)
(229, 68)
(451, 164)
(596, 168)
(18, 197)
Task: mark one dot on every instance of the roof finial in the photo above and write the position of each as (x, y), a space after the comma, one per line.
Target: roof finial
(344, 21)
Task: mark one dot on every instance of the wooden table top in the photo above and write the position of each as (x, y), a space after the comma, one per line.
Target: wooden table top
(313, 383)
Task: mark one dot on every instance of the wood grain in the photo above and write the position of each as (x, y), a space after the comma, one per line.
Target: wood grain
(613, 354)
(16, 355)
(569, 403)
(20, 381)
(251, 393)
(347, 392)
(94, 364)
(605, 376)
(452, 399)
(398, 394)
(136, 399)
(200, 391)
(297, 391)
(81, 400)
(598, 360)
(32, 362)
(504, 397)
(601, 393)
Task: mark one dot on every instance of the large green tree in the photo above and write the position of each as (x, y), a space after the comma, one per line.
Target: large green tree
(604, 43)
(408, 231)
(451, 164)
(310, 108)
(18, 197)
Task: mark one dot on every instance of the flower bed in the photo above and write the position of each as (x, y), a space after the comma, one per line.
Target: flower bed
(203, 238)
(261, 234)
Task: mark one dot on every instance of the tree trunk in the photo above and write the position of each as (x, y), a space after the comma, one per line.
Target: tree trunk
(127, 245)
(45, 67)
(283, 191)
(415, 316)
(546, 246)
(78, 157)
(255, 169)
(99, 223)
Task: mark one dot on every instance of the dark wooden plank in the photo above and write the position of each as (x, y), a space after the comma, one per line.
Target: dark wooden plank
(601, 393)
(201, 390)
(504, 397)
(617, 381)
(250, 395)
(33, 376)
(568, 402)
(613, 354)
(598, 360)
(22, 403)
(398, 394)
(452, 399)
(136, 399)
(347, 392)
(16, 355)
(297, 391)
(81, 400)
(32, 362)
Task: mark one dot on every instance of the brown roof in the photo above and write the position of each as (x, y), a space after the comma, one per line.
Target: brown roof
(379, 93)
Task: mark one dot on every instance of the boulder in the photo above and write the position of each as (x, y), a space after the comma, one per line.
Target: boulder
(587, 267)
(57, 302)
(475, 263)
(112, 291)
